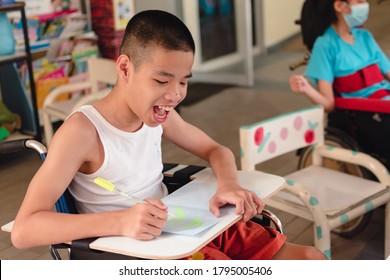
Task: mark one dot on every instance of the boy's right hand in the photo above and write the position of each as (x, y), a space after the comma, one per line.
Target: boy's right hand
(144, 221)
(299, 84)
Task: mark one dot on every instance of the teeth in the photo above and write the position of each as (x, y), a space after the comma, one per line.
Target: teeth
(165, 108)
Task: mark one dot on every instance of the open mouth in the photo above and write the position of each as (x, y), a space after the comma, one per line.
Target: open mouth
(161, 112)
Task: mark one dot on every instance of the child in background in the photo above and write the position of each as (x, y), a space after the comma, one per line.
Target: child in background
(119, 138)
(345, 61)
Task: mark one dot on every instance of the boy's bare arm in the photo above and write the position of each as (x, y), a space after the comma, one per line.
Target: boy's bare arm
(221, 160)
(36, 224)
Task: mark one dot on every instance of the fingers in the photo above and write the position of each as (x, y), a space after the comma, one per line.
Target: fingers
(250, 210)
(247, 204)
(145, 220)
(156, 202)
(298, 83)
(156, 208)
(149, 229)
(153, 224)
(253, 205)
(259, 204)
(214, 206)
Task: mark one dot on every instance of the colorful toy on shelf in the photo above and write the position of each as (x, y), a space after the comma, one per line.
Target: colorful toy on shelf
(6, 2)
(9, 122)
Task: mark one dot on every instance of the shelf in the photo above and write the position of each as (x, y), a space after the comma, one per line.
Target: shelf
(21, 56)
(17, 136)
(4, 59)
(12, 7)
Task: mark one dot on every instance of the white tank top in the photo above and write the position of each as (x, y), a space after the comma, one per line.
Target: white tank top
(132, 161)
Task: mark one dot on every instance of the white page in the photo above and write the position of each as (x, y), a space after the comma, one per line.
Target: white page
(190, 208)
(189, 221)
(190, 204)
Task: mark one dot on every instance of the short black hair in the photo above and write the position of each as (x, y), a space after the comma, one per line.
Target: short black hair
(155, 28)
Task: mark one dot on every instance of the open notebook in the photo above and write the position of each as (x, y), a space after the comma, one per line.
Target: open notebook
(190, 208)
(190, 204)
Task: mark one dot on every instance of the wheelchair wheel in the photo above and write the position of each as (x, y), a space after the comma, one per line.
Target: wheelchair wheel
(337, 138)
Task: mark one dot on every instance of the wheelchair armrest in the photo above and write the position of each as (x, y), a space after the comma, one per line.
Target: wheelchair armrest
(358, 158)
(174, 181)
(79, 250)
(54, 250)
(268, 216)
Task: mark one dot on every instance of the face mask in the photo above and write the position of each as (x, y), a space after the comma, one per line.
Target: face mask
(358, 15)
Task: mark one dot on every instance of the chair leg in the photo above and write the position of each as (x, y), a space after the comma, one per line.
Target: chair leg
(322, 239)
(321, 226)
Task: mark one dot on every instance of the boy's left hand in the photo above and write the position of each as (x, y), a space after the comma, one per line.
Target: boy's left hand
(248, 204)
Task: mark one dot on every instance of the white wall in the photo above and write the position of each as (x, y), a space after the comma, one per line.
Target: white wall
(166, 5)
(279, 17)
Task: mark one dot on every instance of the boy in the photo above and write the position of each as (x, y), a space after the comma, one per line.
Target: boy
(119, 138)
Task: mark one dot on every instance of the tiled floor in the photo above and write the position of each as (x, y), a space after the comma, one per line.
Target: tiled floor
(220, 116)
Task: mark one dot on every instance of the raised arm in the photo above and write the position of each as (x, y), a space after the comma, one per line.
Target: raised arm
(323, 96)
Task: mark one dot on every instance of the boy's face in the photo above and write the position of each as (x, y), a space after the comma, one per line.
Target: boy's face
(159, 84)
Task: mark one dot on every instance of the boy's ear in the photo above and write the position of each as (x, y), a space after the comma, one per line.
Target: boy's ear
(123, 65)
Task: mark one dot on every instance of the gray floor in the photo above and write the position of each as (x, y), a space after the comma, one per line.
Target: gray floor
(220, 116)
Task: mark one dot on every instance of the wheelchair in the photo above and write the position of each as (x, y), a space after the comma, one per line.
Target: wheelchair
(175, 176)
(354, 125)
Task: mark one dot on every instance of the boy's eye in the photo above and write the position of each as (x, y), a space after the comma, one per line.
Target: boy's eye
(183, 83)
(161, 82)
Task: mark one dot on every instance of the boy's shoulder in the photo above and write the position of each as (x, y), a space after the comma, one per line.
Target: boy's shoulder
(79, 125)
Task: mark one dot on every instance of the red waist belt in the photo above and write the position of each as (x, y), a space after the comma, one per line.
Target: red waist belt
(361, 79)
(363, 104)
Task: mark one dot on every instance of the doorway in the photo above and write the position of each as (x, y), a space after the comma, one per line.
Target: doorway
(227, 33)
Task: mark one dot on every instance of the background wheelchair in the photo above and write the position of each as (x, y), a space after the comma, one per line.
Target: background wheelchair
(352, 125)
(175, 176)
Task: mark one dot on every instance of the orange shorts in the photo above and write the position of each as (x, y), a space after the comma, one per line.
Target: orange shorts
(244, 241)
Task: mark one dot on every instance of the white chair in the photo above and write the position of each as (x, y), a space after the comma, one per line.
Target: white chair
(101, 72)
(325, 196)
